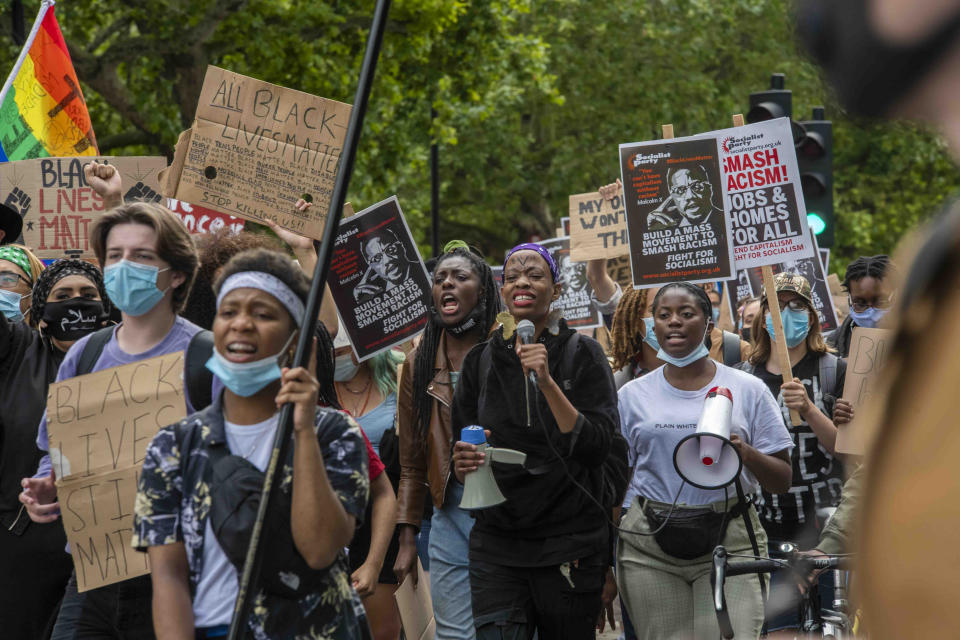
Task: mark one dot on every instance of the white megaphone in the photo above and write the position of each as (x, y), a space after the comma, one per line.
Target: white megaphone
(480, 490)
(706, 459)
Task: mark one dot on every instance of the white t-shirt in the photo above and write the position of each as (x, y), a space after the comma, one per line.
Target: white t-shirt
(655, 416)
(218, 586)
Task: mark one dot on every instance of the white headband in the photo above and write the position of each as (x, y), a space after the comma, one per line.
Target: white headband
(265, 282)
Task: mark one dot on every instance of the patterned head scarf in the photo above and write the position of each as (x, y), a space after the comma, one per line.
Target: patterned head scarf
(59, 270)
(17, 256)
(533, 246)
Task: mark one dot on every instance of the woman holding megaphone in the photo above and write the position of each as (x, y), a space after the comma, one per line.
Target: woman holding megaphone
(539, 559)
(671, 528)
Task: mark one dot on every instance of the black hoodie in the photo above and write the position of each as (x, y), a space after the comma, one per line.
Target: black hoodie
(546, 519)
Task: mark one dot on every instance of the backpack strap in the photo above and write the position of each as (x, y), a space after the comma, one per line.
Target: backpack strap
(828, 381)
(566, 363)
(197, 378)
(731, 348)
(92, 350)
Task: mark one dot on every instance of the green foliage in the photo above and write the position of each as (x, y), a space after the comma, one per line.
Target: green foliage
(532, 97)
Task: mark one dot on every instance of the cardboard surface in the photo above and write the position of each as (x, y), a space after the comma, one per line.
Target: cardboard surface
(57, 205)
(255, 148)
(416, 607)
(99, 427)
(869, 349)
(598, 227)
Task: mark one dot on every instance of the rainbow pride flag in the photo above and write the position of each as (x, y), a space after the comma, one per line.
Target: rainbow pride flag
(42, 110)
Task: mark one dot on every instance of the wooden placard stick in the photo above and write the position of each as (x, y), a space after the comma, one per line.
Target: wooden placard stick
(779, 343)
(667, 131)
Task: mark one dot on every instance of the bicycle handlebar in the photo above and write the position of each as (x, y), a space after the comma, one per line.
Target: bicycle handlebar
(722, 569)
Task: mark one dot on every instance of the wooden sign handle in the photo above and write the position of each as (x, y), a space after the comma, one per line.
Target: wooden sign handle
(667, 131)
(780, 343)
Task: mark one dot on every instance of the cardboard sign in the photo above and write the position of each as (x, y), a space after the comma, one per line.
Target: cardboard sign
(99, 427)
(598, 227)
(57, 205)
(674, 202)
(200, 220)
(416, 607)
(762, 194)
(575, 295)
(619, 271)
(869, 349)
(255, 148)
(378, 281)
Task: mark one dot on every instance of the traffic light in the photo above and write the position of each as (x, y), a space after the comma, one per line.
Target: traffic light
(815, 161)
(777, 102)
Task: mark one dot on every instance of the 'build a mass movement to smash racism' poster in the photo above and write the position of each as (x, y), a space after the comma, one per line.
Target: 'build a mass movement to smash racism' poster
(675, 217)
(378, 281)
(702, 207)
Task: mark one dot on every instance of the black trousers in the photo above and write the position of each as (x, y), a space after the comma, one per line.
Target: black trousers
(511, 603)
(120, 611)
(34, 570)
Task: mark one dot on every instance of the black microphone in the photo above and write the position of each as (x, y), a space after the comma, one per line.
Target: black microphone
(525, 331)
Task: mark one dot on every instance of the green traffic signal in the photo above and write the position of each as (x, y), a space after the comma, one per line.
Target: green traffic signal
(816, 223)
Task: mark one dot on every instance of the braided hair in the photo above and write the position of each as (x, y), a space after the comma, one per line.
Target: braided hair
(866, 267)
(629, 328)
(489, 303)
(325, 364)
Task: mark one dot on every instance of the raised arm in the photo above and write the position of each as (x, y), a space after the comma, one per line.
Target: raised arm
(106, 181)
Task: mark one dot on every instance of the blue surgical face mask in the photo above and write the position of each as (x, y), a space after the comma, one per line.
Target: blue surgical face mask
(650, 337)
(132, 287)
(10, 305)
(716, 315)
(247, 378)
(796, 326)
(700, 352)
(869, 318)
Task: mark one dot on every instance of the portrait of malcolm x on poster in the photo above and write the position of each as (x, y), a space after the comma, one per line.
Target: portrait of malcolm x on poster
(690, 200)
(387, 265)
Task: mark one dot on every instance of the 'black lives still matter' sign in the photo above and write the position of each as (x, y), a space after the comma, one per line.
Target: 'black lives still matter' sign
(378, 281)
(674, 201)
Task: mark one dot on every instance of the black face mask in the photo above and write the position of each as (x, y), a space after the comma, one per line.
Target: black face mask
(468, 324)
(74, 318)
(745, 334)
(869, 74)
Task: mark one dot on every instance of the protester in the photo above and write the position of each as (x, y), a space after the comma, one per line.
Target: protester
(539, 560)
(19, 270)
(464, 306)
(634, 344)
(70, 302)
(304, 583)
(814, 393)
(715, 300)
(368, 392)
(149, 264)
(665, 581)
(749, 311)
(870, 297)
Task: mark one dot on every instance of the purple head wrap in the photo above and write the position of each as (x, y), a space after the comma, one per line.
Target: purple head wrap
(533, 246)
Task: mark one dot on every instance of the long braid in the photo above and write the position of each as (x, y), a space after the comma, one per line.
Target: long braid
(866, 267)
(423, 366)
(325, 365)
(628, 327)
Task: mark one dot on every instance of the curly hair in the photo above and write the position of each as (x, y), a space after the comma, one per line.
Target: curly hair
(427, 351)
(215, 250)
(628, 328)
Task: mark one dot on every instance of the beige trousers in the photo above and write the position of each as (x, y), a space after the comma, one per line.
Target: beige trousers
(671, 599)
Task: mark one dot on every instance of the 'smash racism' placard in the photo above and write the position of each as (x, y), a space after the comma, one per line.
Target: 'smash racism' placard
(99, 427)
(598, 227)
(255, 148)
(762, 194)
(575, 295)
(673, 197)
(57, 205)
(378, 281)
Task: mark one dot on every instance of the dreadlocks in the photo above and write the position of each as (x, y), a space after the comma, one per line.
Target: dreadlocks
(628, 327)
(423, 366)
(325, 363)
(866, 267)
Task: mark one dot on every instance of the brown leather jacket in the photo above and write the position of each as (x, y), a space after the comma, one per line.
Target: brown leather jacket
(421, 468)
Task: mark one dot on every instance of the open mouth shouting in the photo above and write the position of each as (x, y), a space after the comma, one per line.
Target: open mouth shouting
(241, 351)
(449, 305)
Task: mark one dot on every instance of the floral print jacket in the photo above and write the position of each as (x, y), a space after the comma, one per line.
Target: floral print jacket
(173, 504)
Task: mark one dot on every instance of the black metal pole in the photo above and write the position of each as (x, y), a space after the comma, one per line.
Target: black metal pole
(282, 442)
(434, 188)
